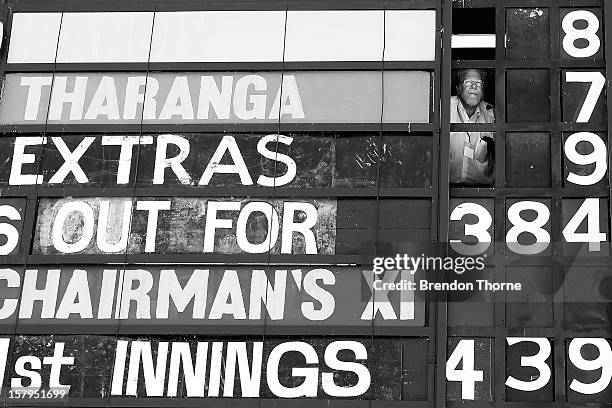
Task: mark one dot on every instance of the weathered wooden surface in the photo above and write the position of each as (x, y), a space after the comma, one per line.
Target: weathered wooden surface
(385, 226)
(514, 368)
(587, 377)
(528, 95)
(528, 159)
(533, 305)
(249, 97)
(31, 166)
(583, 148)
(527, 33)
(483, 361)
(573, 95)
(12, 213)
(93, 361)
(398, 366)
(588, 298)
(471, 308)
(181, 229)
(345, 226)
(319, 159)
(157, 299)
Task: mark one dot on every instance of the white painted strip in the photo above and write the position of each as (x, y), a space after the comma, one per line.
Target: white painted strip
(473, 41)
(212, 36)
(223, 36)
(105, 37)
(337, 35)
(410, 35)
(34, 38)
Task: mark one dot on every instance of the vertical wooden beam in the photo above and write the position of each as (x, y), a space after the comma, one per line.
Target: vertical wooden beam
(443, 196)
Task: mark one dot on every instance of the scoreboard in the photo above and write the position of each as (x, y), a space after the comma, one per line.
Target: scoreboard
(249, 203)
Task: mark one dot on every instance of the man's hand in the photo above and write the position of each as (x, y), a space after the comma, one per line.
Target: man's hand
(490, 145)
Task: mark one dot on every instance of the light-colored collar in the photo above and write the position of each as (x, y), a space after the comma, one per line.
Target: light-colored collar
(464, 115)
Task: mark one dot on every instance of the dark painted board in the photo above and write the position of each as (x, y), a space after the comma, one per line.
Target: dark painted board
(402, 213)
(400, 161)
(483, 361)
(472, 308)
(514, 368)
(201, 160)
(527, 240)
(532, 306)
(588, 352)
(583, 148)
(355, 241)
(599, 55)
(570, 207)
(415, 353)
(527, 33)
(92, 371)
(413, 241)
(383, 242)
(345, 226)
(528, 159)
(392, 213)
(573, 96)
(457, 228)
(99, 162)
(587, 295)
(312, 158)
(528, 95)
(200, 298)
(408, 161)
(10, 276)
(12, 213)
(93, 359)
(29, 149)
(406, 381)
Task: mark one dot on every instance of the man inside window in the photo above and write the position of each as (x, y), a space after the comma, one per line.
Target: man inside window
(471, 153)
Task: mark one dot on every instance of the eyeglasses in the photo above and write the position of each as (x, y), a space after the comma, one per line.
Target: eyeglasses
(473, 82)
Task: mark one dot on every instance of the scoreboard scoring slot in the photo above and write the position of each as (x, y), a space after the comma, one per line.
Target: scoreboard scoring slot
(531, 372)
(529, 235)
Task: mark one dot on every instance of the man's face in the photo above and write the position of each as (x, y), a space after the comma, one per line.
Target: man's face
(471, 88)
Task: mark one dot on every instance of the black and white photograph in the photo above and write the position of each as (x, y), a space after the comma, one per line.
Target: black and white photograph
(305, 203)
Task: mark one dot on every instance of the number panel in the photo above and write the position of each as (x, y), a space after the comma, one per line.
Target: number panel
(476, 226)
(515, 353)
(572, 209)
(523, 221)
(588, 352)
(546, 103)
(581, 43)
(483, 350)
(584, 148)
(576, 84)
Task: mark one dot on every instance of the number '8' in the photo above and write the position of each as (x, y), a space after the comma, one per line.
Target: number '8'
(589, 33)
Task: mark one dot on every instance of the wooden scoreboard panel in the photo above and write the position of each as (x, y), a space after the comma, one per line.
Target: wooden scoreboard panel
(192, 212)
(546, 220)
(200, 219)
